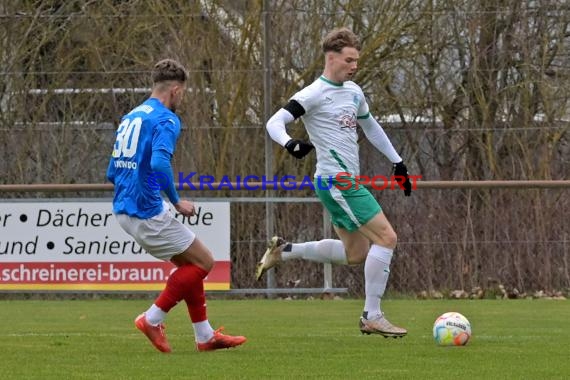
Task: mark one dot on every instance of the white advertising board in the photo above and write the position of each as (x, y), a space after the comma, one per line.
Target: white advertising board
(55, 244)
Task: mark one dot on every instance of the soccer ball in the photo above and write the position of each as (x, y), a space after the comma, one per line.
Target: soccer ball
(451, 329)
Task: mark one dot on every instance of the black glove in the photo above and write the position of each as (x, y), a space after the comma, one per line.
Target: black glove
(401, 174)
(298, 148)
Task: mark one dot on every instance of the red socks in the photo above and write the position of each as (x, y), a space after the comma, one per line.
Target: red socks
(185, 283)
(196, 298)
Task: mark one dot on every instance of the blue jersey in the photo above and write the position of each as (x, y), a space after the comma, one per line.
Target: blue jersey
(148, 128)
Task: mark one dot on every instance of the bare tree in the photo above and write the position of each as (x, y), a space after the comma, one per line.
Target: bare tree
(466, 90)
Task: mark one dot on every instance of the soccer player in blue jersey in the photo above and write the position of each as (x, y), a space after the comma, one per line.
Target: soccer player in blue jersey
(140, 168)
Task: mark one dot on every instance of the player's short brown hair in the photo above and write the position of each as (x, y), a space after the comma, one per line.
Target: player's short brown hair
(340, 38)
(168, 70)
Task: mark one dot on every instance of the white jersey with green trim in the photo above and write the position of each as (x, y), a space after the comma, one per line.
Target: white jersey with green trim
(331, 113)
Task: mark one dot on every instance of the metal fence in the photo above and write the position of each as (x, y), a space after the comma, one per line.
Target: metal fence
(447, 261)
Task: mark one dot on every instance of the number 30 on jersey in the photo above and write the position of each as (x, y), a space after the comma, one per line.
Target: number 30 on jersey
(127, 138)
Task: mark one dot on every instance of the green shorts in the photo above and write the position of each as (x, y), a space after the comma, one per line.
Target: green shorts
(349, 208)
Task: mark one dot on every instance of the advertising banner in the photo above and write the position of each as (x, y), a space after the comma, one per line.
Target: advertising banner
(59, 245)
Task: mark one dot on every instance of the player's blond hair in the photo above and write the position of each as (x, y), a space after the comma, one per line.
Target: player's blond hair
(340, 38)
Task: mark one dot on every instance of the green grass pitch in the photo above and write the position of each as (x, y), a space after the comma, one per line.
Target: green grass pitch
(96, 339)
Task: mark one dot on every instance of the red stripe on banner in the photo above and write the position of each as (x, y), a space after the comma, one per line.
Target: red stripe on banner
(99, 273)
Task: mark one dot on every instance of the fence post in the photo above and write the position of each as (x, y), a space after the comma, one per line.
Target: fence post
(269, 208)
(327, 267)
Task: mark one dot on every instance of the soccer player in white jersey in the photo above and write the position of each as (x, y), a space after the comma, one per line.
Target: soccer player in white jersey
(331, 108)
(140, 168)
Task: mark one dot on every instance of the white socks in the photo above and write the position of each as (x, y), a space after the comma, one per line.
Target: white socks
(322, 251)
(376, 266)
(154, 315)
(376, 273)
(203, 332)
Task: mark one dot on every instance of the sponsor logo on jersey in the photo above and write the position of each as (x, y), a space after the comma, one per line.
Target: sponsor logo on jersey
(348, 120)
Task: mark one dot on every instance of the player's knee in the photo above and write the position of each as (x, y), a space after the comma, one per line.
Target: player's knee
(387, 238)
(205, 261)
(390, 239)
(208, 264)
